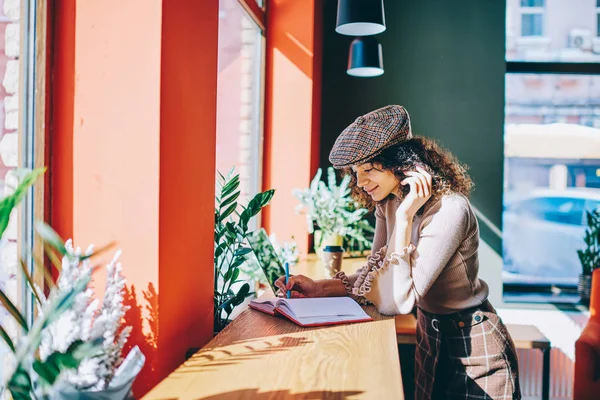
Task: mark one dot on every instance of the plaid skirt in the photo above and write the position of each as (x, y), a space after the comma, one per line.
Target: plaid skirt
(465, 355)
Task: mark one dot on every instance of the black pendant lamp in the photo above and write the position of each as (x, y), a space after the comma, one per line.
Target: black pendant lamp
(366, 57)
(360, 17)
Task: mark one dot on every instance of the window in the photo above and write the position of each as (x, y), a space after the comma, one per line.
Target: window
(532, 14)
(532, 3)
(19, 97)
(239, 96)
(557, 31)
(531, 25)
(552, 145)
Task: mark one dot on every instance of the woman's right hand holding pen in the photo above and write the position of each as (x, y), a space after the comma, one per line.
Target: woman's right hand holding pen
(300, 285)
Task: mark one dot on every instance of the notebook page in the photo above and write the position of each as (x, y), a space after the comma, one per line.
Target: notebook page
(326, 320)
(267, 304)
(323, 307)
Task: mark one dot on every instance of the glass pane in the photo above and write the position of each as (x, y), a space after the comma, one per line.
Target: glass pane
(551, 173)
(532, 3)
(238, 96)
(555, 31)
(531, 25)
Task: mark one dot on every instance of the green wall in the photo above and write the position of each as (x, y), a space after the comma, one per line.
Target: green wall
(444, 61)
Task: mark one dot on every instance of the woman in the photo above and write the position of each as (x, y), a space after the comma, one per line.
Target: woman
(424, 255)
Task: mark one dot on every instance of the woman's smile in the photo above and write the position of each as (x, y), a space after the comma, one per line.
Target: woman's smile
(371, 191)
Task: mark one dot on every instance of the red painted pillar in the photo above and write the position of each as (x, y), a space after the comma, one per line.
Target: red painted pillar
(132, 133)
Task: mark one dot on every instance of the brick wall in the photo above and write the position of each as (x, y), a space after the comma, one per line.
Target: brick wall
(10, 33)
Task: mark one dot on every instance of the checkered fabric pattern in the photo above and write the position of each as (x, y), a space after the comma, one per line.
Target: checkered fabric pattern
(369, 135)
(469, 355)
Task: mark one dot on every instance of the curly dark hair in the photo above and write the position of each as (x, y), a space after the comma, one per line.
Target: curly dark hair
(448, 174)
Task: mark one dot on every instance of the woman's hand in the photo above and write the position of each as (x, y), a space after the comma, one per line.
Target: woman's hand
(420, 192)
(300, 285)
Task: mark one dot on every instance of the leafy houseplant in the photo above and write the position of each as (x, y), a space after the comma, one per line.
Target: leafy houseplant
(108, 375)
(330, 208)
(590, 256)
(231, 228)
(59, 349)
(31, 376)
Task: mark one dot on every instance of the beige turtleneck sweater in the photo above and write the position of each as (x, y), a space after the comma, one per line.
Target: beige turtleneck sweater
(437, 271)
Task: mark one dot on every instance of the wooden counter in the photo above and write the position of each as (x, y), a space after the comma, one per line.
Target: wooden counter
(260, 356)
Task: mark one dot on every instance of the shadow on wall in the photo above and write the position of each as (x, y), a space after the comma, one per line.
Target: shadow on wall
(147, 343)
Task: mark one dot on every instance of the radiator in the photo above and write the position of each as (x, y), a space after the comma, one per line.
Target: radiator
(530, 372)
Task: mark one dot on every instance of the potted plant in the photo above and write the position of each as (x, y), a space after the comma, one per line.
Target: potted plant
(334, 213)
(108, 374)
(32, 376)
(231, 228)
(72, 350)
(590, 256)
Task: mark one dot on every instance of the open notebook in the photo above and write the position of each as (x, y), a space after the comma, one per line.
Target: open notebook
(314, 311)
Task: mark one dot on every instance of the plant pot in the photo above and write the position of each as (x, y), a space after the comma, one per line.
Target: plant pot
(584, 287)
(119, 388)
(326, 240)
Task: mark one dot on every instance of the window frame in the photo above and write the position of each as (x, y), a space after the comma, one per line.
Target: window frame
(547, 68)
(533, 10)
(256, 12)
(33, 140)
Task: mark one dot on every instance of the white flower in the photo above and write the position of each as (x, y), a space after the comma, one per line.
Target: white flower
(89, 318)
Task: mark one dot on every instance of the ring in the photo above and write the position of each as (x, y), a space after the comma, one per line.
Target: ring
(435, 324)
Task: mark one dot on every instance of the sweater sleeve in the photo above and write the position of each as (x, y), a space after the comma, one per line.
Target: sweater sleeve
(404, 276)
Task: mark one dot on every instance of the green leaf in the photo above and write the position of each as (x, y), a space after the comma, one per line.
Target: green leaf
(237, 262)
(228, 212)
(14, 311)
(51, 237)
(266, 197)
(235, 274)
(29, 280)
(220, 249)
(57, 362)
(6, 206)
(47, 371)
(226, 303)
(86, 349)
(244, 290)
(227, 275)
(242, 294)
(9, 202)
(231, 186)
(229, 200)
(19, 384)
(7, 339)
(101, 250)
(256, 204)
(242, 251)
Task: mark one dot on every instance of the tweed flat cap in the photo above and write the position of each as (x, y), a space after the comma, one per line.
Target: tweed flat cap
(369, 135)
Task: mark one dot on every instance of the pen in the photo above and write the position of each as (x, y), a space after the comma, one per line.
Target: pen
(287, 278)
